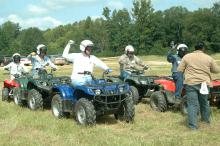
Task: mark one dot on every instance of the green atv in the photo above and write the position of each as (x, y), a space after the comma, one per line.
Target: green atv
(37, 91)
(140, 85)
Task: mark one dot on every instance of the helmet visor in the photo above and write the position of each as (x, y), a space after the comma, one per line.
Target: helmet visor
(43, 50)
(16, 58)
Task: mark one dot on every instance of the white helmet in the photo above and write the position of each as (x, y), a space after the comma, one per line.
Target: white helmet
(16, 57)
(181, 46)
(84, 44)
(39, 47)
(16, 54)
(129, 48)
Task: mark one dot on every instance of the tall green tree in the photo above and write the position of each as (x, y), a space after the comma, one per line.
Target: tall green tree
(142, 14)
(9, 31)
(30, 38)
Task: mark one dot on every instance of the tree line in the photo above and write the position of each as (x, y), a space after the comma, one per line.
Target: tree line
(149, 31)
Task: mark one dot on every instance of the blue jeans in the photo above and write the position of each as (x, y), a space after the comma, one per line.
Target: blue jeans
(178, 80)
(82, 81)
(125, 74)
(196, 100)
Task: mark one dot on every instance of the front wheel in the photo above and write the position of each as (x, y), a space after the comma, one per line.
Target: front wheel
(126, 111)
(135, 94)
(158, 101)
(85, 112)
(35, 100)
(5, 94)
(17, 96)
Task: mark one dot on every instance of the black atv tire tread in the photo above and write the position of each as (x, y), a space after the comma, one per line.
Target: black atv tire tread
(89, 109)
(129, 113)
(135, 94)
(57, 98)
(20, 101)
(38, 99)
(5, 94)
(161, 104)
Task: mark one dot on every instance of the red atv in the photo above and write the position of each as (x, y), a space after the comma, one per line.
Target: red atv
(164, 98)
(7, 90)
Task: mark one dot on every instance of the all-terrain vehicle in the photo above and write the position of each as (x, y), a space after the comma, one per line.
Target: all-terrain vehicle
(100, 97)
(8, 87)
(164, 98)
(140, 84)
(38, 91)
(215, 93)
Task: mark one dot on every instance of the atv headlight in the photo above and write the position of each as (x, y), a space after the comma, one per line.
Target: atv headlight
(97, 92)
(121, 89)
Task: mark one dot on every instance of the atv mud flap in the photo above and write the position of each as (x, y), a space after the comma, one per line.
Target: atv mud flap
(67, 105)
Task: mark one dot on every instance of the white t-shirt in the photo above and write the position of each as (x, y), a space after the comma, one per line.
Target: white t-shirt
(15, 68)
(82, 63)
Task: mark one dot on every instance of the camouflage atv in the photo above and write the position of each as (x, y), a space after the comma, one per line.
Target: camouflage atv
(140, 85)
(38, 91)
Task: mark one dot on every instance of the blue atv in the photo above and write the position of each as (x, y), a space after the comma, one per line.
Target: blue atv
(103, 96)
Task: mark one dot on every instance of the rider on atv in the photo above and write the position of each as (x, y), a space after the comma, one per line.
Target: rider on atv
(40, 60)
(83, 62)
(175, 56)
(16, 68)
(129, 61)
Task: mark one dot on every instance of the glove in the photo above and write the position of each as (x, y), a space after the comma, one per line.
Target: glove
(108, 70)
(145, 67)
(33, 53)
(71, 42)
(54, 69)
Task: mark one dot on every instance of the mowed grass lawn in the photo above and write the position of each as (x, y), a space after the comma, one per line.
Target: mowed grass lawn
(22, 127)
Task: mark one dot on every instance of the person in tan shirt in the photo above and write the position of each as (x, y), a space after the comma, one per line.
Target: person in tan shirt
(197, 68)
(129, 62)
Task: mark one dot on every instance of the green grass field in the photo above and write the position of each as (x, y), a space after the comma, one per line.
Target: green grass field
(21, 127)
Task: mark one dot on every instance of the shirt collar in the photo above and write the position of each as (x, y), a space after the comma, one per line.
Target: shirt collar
(198, 51)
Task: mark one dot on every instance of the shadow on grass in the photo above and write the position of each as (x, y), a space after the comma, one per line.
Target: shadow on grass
(107, 119)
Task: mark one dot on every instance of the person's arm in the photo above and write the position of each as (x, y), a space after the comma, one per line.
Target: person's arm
(182, 66)
(170, 56)
(70, 57)
(214, 68)
(7, 67)
(122, 60)
(99, 63)
(51, 64)
(139, 62)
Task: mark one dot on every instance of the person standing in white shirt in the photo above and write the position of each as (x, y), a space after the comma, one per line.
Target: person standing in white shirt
(16, 68)
(83, 62)
(40, 60)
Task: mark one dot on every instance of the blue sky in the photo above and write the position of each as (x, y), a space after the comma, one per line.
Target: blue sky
(51, 13)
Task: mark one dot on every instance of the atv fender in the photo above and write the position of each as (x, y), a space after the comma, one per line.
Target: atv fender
(131, 81)
(65, 91)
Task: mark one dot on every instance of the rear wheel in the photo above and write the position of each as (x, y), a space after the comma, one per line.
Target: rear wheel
(5, 94)
(126, 111)
(57, 107)
(35, 100)
(17, 96)
(135, 94)
(85, 112)
(158, 101)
